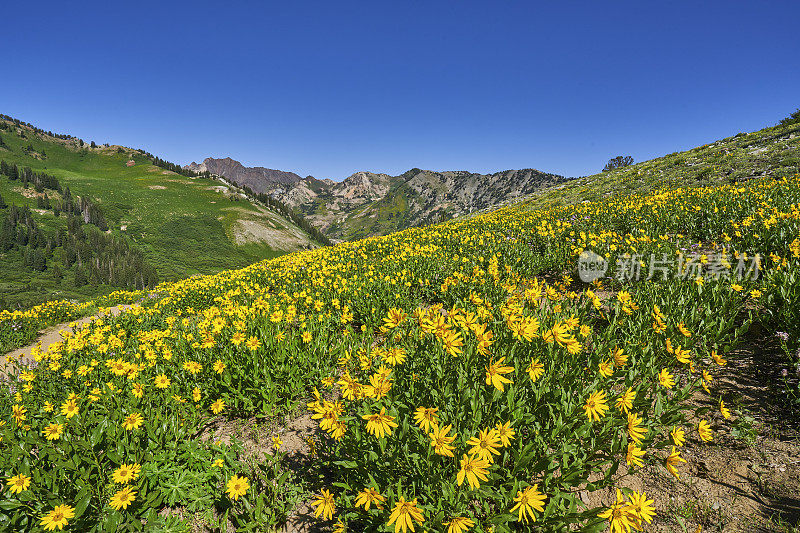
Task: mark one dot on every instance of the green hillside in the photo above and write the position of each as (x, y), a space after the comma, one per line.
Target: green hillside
(406, 352)
(384, 216)
(773, 151)
(181, 225)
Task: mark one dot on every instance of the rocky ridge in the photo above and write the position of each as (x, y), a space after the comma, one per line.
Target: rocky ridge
(257, 178)
(369, 203)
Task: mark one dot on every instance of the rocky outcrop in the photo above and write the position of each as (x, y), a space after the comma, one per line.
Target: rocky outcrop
(259, 179)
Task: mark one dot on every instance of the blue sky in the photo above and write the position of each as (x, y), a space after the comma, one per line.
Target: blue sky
(329, 88)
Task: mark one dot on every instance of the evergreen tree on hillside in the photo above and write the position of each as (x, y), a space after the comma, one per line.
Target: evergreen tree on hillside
(618, 162)
(7, 234)
(80, 277)
(794, 118)
(13, 172)
(3, 203)
(35, 259)
(56, 273)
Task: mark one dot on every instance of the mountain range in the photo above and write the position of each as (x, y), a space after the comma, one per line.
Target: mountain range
(369, 203)
(78, 219)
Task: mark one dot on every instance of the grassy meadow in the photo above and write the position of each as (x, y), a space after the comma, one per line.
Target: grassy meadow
(183, 225)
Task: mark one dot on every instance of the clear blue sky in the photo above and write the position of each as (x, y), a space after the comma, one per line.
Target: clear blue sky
(329, 88)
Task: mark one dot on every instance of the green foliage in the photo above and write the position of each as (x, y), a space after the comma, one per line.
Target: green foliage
(176, 471)
(140, 206)
(793, 118)
(618, 162)
(743, 428)
(782, 314)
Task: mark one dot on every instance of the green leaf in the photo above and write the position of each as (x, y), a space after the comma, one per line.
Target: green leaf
(83, 498)
(10, 505)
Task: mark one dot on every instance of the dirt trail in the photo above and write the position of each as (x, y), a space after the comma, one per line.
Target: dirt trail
(53, 335)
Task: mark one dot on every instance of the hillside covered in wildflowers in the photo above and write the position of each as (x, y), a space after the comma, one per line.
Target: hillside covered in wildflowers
(461, 376)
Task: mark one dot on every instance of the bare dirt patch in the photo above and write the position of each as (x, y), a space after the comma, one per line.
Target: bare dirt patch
(156, 187)
(256, 437)
(27, 193)
(296, 437)
(748, 479)
(255, 231)
(297, 433)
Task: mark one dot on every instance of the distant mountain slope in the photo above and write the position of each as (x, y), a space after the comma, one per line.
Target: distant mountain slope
(376, 204)
(182, 225)
(368, 203)
(258, 179)
(773, 151)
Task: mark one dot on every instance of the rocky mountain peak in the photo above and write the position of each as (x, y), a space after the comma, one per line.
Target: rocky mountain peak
(259, 179)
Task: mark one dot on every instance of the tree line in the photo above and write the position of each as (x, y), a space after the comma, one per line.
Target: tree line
(19, 230)
(174, 167)
(97, 257)
(69, 205)
(104, 258)
(94, 256)
(18, 123)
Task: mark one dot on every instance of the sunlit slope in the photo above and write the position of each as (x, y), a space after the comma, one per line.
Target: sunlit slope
(183, 225)
(773, 151)
(449, 380)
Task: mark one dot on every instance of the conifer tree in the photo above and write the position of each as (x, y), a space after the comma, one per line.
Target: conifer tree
(80, 277)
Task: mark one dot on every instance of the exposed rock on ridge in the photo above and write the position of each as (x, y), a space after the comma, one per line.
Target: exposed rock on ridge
(368, 203)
